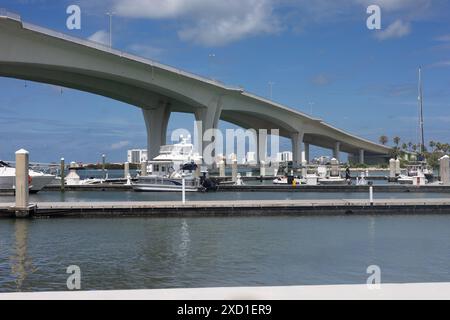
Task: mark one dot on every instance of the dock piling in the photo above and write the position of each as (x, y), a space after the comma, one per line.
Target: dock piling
(444, 170)
(22, 205)
(262, 168)
(143, 168)
(234, 170)
(126, 170)
(63, 174)
(222, 168)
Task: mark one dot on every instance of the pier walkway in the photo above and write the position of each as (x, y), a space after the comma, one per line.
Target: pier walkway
(410, 291)
(234, 208)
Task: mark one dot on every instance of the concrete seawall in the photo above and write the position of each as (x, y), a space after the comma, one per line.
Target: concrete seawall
(234, 208)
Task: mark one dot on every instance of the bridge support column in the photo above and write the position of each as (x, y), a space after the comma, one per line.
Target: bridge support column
(156, 121)
(305, 153)
(361, 156)
(262, 145)
(206, 119)
(297, 140)
(337, 151)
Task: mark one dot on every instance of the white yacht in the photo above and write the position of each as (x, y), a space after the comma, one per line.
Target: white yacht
(330, 177)
(37, 180)
(168, 169)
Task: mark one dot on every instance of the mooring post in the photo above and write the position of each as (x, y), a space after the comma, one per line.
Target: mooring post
(183, 188)
(392, 168)
(262, 168)
(221, 168)
(104, 166)
(371, 193)
(444, 170)
(144, 168)
(63, 174)
(22, 184)
(126, 170)
(234, 170)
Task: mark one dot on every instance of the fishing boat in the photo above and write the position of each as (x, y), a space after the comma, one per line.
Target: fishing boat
(37, 180)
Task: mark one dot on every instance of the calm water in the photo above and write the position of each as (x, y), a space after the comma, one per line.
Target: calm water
(202, 252)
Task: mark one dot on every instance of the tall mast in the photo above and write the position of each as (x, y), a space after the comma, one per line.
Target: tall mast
(422, 138)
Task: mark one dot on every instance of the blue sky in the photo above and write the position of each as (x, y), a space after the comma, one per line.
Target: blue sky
(319, 54)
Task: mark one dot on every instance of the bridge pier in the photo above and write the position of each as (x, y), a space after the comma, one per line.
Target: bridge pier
(305, 153)
(337, 151)
(262, 145)
(206, 119)
(361, 156)
(297, 141)
(156, 121)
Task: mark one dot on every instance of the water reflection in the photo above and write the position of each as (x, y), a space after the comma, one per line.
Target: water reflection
(20, 262)
(185, 241)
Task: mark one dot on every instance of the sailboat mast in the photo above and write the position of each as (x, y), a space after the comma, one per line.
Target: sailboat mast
(422, 138)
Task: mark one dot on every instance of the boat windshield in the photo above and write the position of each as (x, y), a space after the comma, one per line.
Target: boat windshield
(176, 149)
(4, 164)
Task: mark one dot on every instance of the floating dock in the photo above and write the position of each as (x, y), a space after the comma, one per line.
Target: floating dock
(233, 208)
(387, 188)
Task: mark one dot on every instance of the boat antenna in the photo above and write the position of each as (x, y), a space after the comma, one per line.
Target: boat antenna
(422, 138)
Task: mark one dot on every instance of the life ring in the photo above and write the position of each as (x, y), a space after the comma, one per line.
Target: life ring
(30, 179)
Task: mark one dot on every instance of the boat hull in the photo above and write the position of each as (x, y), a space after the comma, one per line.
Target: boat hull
(8, 183)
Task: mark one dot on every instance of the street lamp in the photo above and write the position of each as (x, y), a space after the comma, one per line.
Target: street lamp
(110, 14)
(271, 89)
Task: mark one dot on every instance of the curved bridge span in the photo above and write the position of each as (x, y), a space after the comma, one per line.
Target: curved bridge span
(33, 53)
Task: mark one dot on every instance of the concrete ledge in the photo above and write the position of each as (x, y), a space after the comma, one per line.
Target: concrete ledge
(408, 291)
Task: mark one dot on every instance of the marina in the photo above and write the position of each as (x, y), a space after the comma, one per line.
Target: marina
(122, 175)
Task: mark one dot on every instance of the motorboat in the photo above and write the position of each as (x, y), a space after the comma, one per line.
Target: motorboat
(330, 177)
(174, 164)
(287, 180)
(37, 180)
(419, 178)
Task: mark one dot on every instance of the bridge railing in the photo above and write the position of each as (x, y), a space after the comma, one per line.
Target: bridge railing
(6, 13)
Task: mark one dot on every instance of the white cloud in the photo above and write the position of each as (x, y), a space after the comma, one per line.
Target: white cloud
(443, 38)
(100, 36)
(397, 29)
(396, 5)
(119, 145)
(440, 64)
(207, 22)
(321, 79)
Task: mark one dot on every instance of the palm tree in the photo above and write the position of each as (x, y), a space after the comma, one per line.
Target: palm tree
(383, 140)
(404, 146)
(414, 147)
(432, 144)
(396, 141)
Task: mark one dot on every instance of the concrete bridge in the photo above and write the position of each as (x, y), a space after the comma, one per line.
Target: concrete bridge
(33, 53)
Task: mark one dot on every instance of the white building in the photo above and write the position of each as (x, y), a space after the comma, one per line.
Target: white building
(284, 156)
(137, 156)
(250, 158)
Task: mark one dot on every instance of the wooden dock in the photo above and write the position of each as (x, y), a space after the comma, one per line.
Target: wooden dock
(234, 208)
